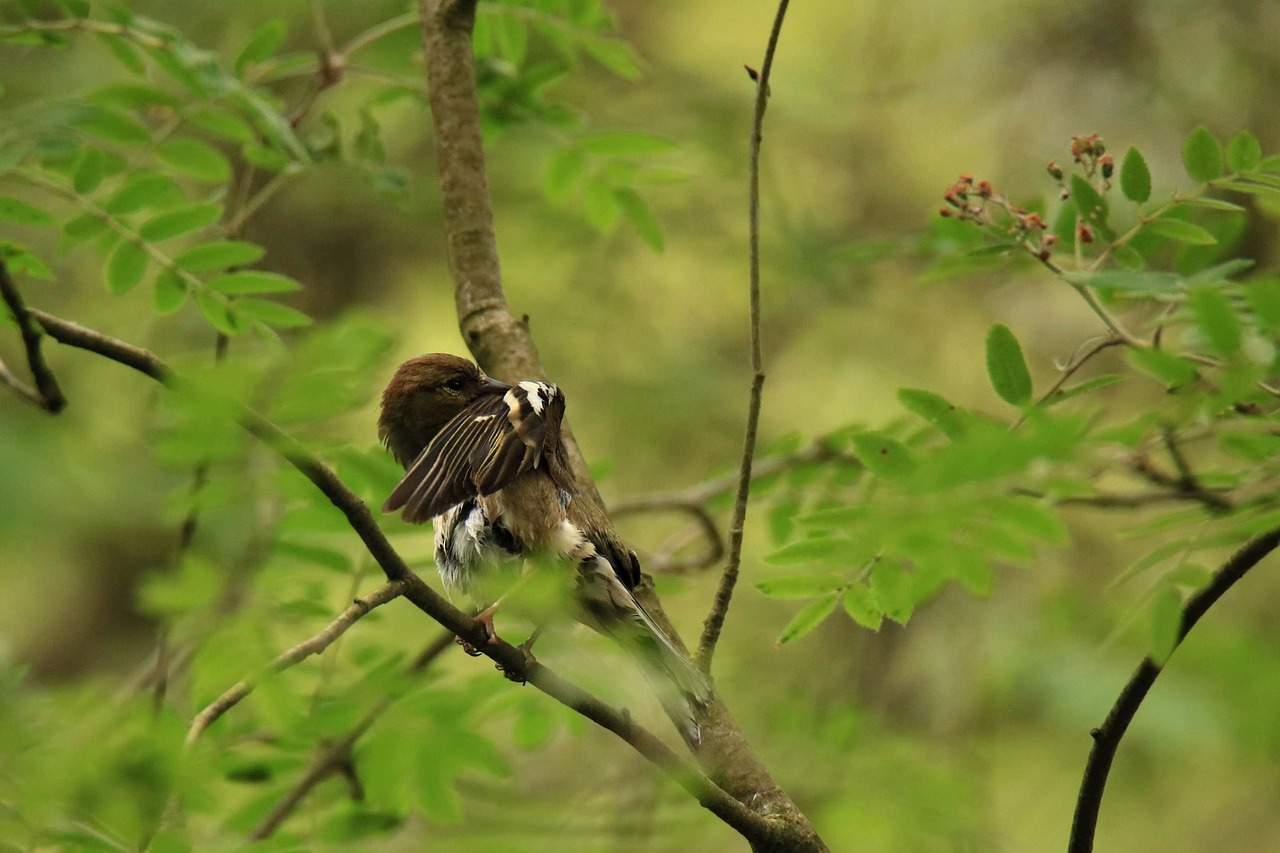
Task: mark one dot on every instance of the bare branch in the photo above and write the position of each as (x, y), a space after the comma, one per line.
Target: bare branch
(46, 394)
(729, 579)
(1106, 738)
(702, 520)
(312, 646)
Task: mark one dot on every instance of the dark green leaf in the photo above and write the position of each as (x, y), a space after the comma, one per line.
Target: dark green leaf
(1181, 230)
(20, 259)
(640, 217)
(1135, 178)
(246, 282)
(125, 267)
(1216, 319)
(950, 420)
(1006, 366)
(133, 96)
(883, 456)
(860, 604)
(1170, 370)
(220, 255)
(90, 170)
(809, 618)
(1085, 387)
(264, 157)
(1244, 153)
(264, 42)
(113, 126)
(19, 212)
(84, 227)
(1214, 204)
(1130, 282)
(198, 159)
(182, 220)
(1264, 299)
(123, 52)
(1254, 447)
(1090, 206)
(227, 125)
(1202, 155)
(272, 313)
(170, 292)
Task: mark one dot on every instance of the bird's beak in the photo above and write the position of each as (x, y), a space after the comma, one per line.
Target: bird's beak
(493, 386)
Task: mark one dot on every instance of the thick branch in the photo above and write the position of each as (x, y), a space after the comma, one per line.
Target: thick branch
(311, 646)
(1107, 737)
(47, 394)
(751, 825)
(729, 579)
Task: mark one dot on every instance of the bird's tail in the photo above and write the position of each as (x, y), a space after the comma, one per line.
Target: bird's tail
(681, 688)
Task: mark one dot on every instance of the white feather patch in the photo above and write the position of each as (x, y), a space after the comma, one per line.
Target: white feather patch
(534, 390)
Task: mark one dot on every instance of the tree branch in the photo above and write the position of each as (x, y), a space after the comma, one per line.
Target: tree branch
(760, 830)
(312, 646)
(1106, 738)
(339, 754)
(47, 395)
(729, 579)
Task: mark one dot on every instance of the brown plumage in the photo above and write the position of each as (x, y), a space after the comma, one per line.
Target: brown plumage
(485, 462)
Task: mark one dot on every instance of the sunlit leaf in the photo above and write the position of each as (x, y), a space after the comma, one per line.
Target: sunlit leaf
(810, 617)
(950, 420)
(19, 212)
(1170, 370)
(800, 586)
(860, 604)
(180, 221)
(125, 267)
(272, 313)
(220, 255)
(1216, 319)
(170, 292)
(246, 282)
(640, 217)
(883, 456)
(1244, 152)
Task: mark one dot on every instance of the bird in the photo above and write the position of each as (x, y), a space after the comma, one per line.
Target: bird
(486, 464)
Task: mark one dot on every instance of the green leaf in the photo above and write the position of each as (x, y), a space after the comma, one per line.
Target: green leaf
(1166, 624)
(883, 456)
(860, 604)
(182, 220)
(800, 586)
(220, 255)
(125, 267)
(1202, 155)
(1171, 371)
(263, 44)
(90, 170)
(1180, 230)
(839, 550)
(1085, 387)
(1263, 295)
(564, 168)
(1214, 204)
(1255, 447)
(227, 125)
(622, 144)
(1244, 153)
(247, 282)
(1090, 206)
(123, 52)
(198, 159)
(145, 189)
(1135, 177)
(113, 126)
(950, 420)
(216, 312)
(20, 259)
(892, 588)
(615, 55)
(640, 217)
(19, 212)
(170, 292)
(809, 618)
(272, 313)
(264, 157)
(1216, 319)
(600, 206)
(84, 227)
(1006, 366)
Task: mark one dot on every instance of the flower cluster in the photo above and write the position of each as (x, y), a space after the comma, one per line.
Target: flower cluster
(978, 202)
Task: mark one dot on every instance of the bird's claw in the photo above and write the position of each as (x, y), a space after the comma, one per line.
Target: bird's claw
(467, 647)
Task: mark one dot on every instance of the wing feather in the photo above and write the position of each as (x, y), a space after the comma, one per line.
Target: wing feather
(485, 447)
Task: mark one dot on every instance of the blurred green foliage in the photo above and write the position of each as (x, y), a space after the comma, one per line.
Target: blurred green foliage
(250, 194)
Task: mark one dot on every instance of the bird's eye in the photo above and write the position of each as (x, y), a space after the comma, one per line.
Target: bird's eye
(454, 384)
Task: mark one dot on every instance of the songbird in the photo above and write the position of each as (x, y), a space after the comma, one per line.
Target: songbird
(485, 463)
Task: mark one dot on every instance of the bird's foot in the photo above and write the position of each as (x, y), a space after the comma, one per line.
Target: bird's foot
(467, 647)
(529, 660)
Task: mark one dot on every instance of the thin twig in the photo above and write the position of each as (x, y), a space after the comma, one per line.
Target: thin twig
(702, 521)
(287, 659)
(1070, 370)
(339, 754)
(47, 393)
(1107, 737)
(724, 593)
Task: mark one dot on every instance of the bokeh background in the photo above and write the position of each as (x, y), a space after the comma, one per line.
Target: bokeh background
(966, 730)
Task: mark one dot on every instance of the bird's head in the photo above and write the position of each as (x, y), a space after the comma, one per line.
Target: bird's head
(425, 394)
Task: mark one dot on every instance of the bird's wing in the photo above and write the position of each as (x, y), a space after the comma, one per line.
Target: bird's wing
(485, 447)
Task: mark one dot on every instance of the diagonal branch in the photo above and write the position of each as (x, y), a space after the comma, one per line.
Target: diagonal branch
(1106, 738)
(47, 395)
(729, 579)
(287, 659)
(762, 831)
